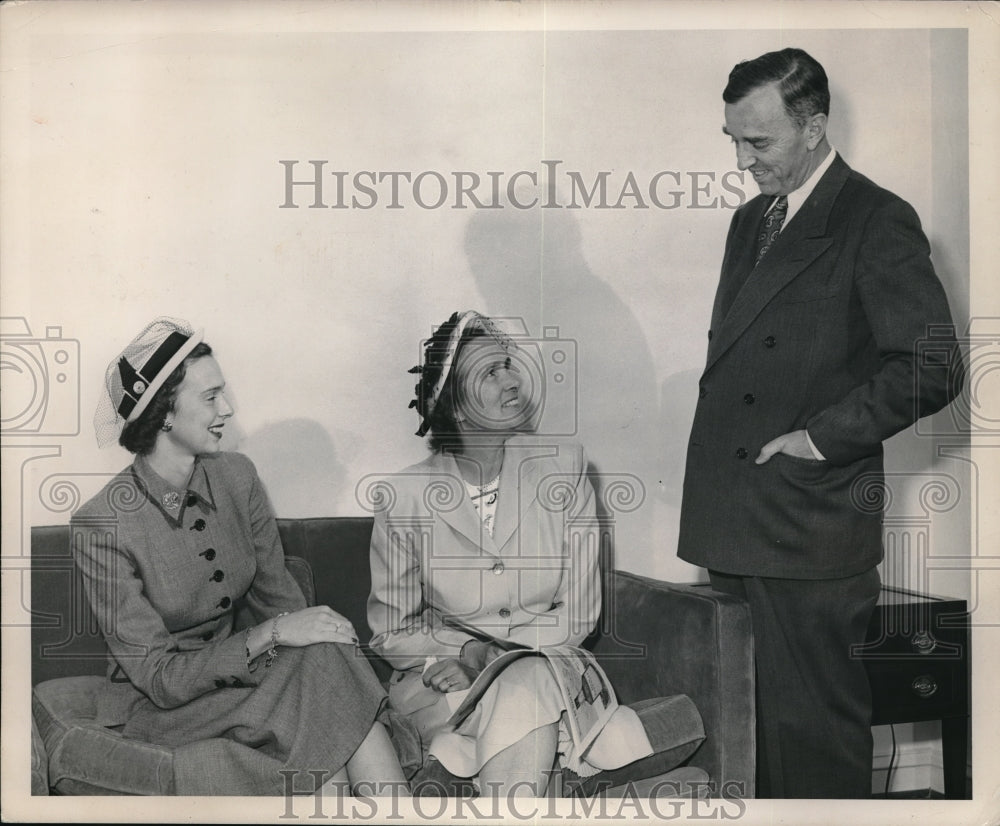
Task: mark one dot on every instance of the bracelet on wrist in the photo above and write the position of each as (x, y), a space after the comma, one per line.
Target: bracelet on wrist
(272, 647)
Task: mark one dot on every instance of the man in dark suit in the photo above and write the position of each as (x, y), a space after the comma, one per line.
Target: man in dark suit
(826, 291)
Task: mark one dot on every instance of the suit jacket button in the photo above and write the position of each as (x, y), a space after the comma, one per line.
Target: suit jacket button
(504, 612)
(218, 576)
(220, 683)
(225, 602)
(498, 568)
(741, 453)
(702, 391)
(749, 398)
(769, 341)
(709, 335)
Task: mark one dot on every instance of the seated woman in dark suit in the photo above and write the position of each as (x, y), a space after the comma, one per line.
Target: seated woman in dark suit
(186, 538)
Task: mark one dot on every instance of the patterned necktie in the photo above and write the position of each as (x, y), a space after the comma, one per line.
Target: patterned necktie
(771, 227)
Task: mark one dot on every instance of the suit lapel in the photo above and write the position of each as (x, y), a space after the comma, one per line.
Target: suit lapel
(741, 247)
(451, 501)
(800, 243)
(518, 489)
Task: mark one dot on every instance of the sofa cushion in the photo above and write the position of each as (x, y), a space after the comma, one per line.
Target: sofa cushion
(39, 762)
(86, 758)
(675, 730)
(303, 573)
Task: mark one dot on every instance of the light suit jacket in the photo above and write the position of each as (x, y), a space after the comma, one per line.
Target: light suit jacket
(844, 330)
(439, 579)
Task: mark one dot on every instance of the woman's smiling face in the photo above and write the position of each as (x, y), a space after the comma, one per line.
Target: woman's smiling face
(489, 384)
(200, 409)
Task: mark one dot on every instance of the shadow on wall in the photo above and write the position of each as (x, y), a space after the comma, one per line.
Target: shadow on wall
(678, 400)
(529, 264)
(296, 487)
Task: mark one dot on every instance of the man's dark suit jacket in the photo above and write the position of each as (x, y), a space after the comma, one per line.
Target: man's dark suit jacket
(822, 335)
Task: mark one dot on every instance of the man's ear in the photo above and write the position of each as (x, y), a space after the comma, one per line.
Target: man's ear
(815, 130)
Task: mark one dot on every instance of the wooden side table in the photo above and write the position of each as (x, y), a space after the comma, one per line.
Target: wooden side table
(917, 656)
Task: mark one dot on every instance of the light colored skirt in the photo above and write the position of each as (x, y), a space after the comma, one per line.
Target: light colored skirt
(522, 698)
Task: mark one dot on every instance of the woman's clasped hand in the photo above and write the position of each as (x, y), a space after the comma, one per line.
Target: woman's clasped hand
(318, 623)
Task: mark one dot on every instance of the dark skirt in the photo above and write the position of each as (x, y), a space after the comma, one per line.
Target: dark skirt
(312, 709)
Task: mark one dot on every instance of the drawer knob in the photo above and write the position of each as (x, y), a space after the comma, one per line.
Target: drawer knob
(923, 642)
(924, 686)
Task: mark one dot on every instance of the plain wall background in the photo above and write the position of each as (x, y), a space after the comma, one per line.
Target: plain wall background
(152, 186)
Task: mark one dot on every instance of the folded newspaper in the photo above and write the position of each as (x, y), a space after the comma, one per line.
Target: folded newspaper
(588, 698)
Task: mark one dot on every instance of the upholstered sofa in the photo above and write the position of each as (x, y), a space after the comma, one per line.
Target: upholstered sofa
(656, 640)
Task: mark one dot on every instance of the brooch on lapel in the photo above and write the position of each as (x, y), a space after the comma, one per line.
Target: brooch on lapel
(171, 501)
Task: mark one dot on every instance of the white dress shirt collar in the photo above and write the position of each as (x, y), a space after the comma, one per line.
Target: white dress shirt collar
(797, 198)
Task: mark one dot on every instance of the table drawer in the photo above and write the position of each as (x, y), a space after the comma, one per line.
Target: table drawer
(912, 690)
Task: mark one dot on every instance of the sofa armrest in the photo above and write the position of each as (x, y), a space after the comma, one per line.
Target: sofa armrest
(659, 639)
(302, 571)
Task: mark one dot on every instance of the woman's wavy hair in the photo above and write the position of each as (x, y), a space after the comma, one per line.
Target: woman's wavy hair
(139, 437)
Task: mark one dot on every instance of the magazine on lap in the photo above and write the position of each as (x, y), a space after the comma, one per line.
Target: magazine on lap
(605, 735)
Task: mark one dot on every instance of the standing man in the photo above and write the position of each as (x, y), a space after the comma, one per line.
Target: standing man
(826, 289)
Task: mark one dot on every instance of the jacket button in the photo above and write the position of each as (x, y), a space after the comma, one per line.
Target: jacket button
(741, 453)
(498, 568)
(192, 500)
(208, 554)
(225, 602)
(199, 525)
(749, 398)
(220, 683)
(769, 341)
(702, 391)
(218, 576)
(504, 612)
(238, 683)
(709, 335)
(207, 636)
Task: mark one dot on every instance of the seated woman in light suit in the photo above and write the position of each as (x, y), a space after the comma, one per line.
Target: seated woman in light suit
(168, 551)
(490, 541)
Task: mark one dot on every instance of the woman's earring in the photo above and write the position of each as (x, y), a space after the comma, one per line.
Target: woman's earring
(166, 427)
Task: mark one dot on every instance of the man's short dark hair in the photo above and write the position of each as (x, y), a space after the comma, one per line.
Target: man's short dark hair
(800, 78)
